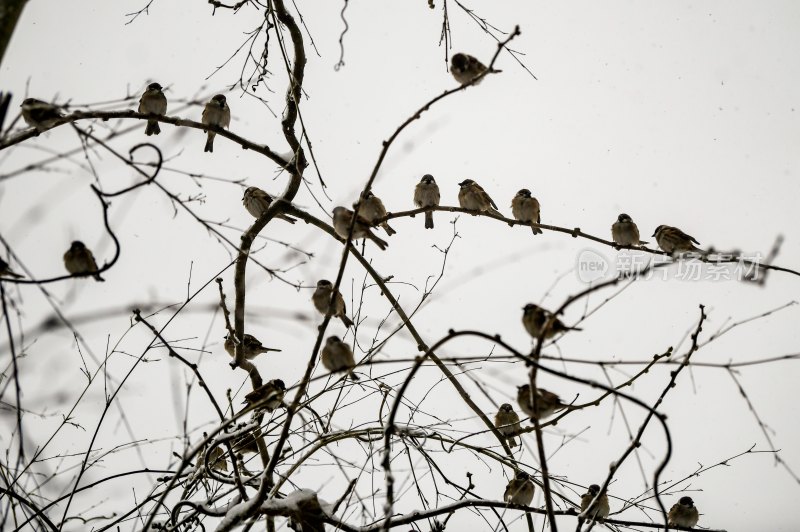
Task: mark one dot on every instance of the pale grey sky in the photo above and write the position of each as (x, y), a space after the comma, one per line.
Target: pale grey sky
(679, 113)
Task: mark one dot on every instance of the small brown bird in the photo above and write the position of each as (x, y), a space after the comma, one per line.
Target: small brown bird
(337, 356)
(153, 102)
(216, 458)
(472, 196)
(600, 508)
(215, 113)
(322, 301)
(268, 396)
(78, 260)
(465, 68)
(256, 201)
(507, 423)
(426, 194)
(683, 513)
(6, 271)
(547, 403)
(625, 233)
(519, 489)
(674, 241)
(371, 208)
(535, 318)
(525, 208)
(252, 347)
(39, 114)
(343, 217)
(246, 444)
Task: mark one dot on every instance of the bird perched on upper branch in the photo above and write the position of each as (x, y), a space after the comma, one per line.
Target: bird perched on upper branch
(256, 201)
(322, 301)
(507, 423)
(547, 403)
(343, 217)
(683, 513)
(519, 489)
(465, 68)
(525, 208)
(535, 319)
(39, 114)
(337, 356)
(674, 241)
(426, 194)
(371, 208)
(472, 196)
(78, 260)
(600, 508)
(153, 102)
(268, 396)
(625, 233)
(252, 346)
(215, 113)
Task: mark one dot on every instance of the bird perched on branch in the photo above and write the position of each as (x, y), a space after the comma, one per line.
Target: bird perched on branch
(268, 396)
(426, 194)
(337, 356)
(371, 208)
(625, 233)
(471, 196)
(525, 208)
(674, 241)
(465, 68)
(153, 102)
(535, 319)
(216, 113)
(343, 217)
(251, 345)
(547, 403)
(216, 458)
(683, 513)
(519, 489)
(322, 301)
(6, 271)
(78, 260)
(600, 508)
(256, 201)
(507, 423)
(39, 114)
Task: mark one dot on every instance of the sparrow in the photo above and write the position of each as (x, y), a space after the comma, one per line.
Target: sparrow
(426, 194)
(534, 318)
(246, 444)
(337, 356)
(371, 208)
(507, 423)
(683, 513)
(153, 102)
(525, 208)
(39, 114)
(343, 217)
(322, 300)
(256, 201)
(268, 396)
(473, 197)
(6, 271)
(672, 240)
(625, 233)
(216, 457)
(465, 68)
(252, 347)
(600, 507)
(216, 113)
(519, 489)
(78, 260)
(547, 403)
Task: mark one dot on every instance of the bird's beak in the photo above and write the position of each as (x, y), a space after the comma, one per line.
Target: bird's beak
(462, 183)
(654, 232)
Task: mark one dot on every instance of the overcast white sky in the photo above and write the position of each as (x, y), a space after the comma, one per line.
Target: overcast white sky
(679, 113)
